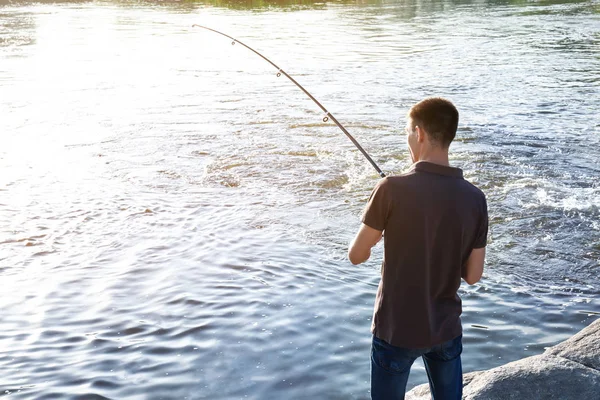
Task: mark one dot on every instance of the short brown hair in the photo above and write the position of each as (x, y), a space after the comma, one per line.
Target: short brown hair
(438, 117)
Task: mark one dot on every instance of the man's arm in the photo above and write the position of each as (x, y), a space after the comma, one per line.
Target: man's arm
(360, 248)
(473, 268)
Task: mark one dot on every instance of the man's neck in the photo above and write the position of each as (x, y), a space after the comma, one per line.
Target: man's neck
(437, 156)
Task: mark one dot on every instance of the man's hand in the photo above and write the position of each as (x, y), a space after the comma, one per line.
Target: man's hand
(360, 248)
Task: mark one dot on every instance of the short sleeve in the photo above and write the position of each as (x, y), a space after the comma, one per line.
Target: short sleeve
(378, 207)
(482, 230)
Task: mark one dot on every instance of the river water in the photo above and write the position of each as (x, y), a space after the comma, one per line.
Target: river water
(174, 218)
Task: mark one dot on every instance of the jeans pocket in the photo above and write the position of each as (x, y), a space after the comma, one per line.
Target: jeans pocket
(390, 359)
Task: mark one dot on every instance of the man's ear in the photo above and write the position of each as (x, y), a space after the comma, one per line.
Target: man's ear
(420, 134)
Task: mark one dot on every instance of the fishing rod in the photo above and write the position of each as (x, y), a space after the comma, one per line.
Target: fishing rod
(327, 116)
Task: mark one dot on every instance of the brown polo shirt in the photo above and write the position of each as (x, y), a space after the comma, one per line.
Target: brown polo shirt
(432, 219)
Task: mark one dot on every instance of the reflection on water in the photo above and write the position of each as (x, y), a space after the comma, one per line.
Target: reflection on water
(174, 219)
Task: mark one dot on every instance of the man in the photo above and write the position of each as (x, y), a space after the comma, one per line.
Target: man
(435, 225)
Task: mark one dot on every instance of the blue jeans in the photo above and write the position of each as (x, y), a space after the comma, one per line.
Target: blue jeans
(390, 366)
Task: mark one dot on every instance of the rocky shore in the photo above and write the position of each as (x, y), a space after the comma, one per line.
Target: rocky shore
(569, 370)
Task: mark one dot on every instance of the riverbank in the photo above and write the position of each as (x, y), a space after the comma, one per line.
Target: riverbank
(569, 370)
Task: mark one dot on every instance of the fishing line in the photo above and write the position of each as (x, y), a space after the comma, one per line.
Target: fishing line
(327, 116)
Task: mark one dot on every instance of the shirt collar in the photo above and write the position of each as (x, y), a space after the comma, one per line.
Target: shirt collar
(425, 166)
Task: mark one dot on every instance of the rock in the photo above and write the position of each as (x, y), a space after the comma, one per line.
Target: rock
(538, 377)
(583, 348)
(569, 370)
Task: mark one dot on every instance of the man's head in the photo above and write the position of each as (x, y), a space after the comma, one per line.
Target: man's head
(432, 121)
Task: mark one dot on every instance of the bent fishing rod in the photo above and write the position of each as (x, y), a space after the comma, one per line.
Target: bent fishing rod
(327, 116)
